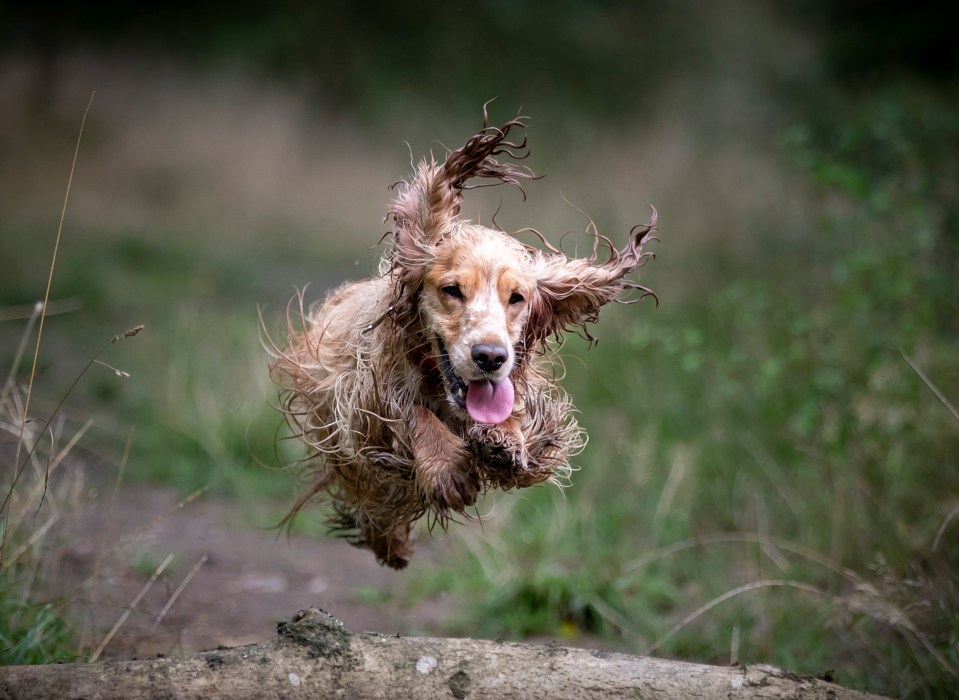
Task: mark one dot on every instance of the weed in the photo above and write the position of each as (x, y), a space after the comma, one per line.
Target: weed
(770, 476)
(775, 463)
(370, 595)
(32, 630)
(37, 493)
(32, 634)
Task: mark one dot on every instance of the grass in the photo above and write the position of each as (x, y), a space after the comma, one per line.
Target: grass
(769, 477)
(36, 498)
(772, 467)
(31, 633)
(200, 418)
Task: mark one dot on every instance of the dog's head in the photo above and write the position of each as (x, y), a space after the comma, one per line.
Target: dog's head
(474, 304)
(480, 299)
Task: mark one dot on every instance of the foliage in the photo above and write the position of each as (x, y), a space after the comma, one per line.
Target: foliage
(359, 56)
(31, 631)
(769, 478)
(31, 634)
(778, 425)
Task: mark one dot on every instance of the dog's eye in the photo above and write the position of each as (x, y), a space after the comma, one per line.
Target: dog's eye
(453, 290)
(516, 298)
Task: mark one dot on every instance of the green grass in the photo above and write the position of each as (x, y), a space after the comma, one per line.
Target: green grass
(33, 629)
(769, 442)
(198, 397)
(768, 477)
(32, 634)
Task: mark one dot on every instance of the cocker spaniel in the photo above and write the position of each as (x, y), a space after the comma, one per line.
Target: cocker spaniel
(421, 388)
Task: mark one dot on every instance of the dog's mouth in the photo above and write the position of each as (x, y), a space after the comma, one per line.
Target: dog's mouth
(455, 387)
(484, 400)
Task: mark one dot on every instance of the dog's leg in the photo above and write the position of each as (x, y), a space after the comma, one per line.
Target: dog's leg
(444, 474)
(390, 542)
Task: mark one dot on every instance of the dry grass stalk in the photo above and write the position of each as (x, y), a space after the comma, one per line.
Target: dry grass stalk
(126, 613)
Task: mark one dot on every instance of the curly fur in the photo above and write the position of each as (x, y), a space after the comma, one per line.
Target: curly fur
(374, 378)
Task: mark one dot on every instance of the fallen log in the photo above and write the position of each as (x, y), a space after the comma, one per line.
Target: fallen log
(314, 656)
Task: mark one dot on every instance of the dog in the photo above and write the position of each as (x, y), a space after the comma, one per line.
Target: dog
(420, 389)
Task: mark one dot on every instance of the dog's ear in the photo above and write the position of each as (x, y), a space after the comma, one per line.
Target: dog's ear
(426, 206)
(570, 293)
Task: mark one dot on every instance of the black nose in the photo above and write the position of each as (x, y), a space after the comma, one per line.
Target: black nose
(489, 358)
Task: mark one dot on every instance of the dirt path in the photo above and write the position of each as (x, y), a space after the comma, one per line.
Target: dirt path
(249, 578)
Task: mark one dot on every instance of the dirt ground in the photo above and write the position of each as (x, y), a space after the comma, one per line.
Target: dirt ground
(249, 577)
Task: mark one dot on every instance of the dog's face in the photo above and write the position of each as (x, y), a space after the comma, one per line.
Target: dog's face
(474, 303)
(480, 296)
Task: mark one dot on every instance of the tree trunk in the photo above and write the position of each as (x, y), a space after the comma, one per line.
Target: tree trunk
(314, 656)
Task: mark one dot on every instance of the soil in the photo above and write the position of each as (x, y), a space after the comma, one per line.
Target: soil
(250, 578)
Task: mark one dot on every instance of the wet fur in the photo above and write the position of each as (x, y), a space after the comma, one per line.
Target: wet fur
(362, 379)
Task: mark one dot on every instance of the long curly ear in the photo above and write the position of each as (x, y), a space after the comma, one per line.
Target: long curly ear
(570, 293)
(426, 206)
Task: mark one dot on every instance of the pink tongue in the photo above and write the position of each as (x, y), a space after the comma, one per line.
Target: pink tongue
(490, 402)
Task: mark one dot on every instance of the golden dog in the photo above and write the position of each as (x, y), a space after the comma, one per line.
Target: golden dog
(423, 387)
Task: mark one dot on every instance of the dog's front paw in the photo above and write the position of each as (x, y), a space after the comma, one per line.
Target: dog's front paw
(448, 485)
(445, 477)
(498, 449)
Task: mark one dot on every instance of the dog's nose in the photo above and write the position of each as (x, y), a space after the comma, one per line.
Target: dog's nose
(488, 357)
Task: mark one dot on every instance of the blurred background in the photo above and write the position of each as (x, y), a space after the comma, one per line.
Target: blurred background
(772, 471)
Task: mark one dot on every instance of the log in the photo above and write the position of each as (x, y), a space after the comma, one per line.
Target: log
(314, 656)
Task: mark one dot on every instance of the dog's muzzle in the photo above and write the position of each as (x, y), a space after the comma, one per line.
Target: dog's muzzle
(485, 401)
